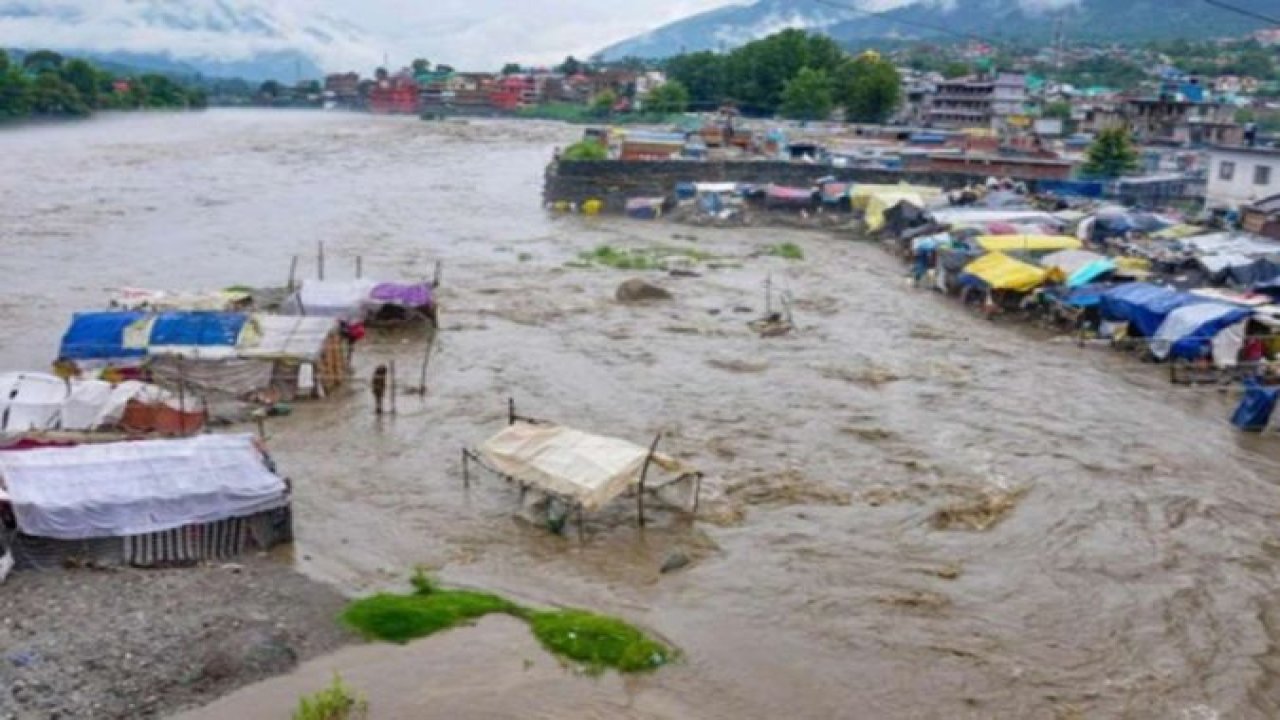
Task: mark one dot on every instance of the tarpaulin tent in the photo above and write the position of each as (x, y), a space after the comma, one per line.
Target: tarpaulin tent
(835, 193)
(308, 352)
(779, 197)
(134, 488)
(860, 195)
(879, 204)
(1188, 331)
(100, 336)
(1255, 409)
(1080, 266)
(30, 401)
(648, 208)
(1143, 306)
(201, 334)
(1086, 296)
(998, 271)
(406, 295)
(1027, 243)
(585, 469)
(336, 299)
(1258, 272)
(1232, 243)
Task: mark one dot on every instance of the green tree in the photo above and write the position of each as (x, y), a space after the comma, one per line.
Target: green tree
(50, 95)
(604, 103)
(512, 69)
(808, 96)
(1060, 110)
(421, 66)
(84, 78)
(757, 73)
(15, 94)
(271, 89)
(42, 61)
(670, 98)
(954, 70)
(703, 74)
(1111, 155)
(869, 88)
(4, 61)
(571, 66)
(585, 150)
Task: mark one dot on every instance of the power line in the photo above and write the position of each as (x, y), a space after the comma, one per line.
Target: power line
(1243, 11)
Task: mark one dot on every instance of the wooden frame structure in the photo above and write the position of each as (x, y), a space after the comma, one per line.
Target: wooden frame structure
(513, 417)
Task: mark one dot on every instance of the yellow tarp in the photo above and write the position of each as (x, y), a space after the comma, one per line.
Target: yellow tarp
(860, 195)
(881, 202)
(1177, 232)
(1133, 264)
(1007, 243)
(1002, 272)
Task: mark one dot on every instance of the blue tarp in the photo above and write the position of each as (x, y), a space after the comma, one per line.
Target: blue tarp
(686, 190)
(1254, 412)
(1143, 306)
(1086, 295)
(1071, 188)
(99, 336)
(1091, 272)
(1187, 332)
(197, 328)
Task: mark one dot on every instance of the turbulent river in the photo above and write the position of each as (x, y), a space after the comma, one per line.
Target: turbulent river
(1134, 574)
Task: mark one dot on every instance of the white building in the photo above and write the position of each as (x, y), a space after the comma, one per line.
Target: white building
(1242, 175)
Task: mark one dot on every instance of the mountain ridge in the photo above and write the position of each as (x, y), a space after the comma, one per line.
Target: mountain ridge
(252, 39)
(1000, 20)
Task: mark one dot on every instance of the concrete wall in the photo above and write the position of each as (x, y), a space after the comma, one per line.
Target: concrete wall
(614, 182)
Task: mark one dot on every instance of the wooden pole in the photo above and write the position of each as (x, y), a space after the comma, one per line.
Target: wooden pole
(359, 267)
(439, 274)
(293, 273)
(644, 472)
(697, 492)
(582, 532)
(393, 387)
(320, 260)
(768, 295)
(466, 468)
(261, 418)
(511, 411)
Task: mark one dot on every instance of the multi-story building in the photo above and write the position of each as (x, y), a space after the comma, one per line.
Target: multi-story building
(983, 101)
(1241, 176)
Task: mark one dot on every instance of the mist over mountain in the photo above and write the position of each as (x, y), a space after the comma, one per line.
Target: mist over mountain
(1023, 21)
(230, 38)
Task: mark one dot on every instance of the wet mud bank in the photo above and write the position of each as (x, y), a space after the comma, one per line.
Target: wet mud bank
(965, 520)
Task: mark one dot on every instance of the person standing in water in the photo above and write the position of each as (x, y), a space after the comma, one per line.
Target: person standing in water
(379, 387)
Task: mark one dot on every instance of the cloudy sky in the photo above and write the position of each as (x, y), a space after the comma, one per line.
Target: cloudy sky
(484, 33)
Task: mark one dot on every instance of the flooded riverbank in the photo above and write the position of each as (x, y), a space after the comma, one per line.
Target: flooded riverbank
(1132, 574)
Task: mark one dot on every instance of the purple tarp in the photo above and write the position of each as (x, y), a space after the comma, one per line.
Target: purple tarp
(415, 295)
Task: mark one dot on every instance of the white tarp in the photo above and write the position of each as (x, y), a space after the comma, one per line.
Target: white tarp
(588, 469)
(1234, 243)
(96, 403)
(1227, 345)
(134, 488)
(335, 299)
(1184, 321)
(290, 337)
(30, 401)
(1220, 262)
(1069, 261)
(968, 216)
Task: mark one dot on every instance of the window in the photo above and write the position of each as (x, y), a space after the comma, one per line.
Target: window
(1262, 175)
(1226, 170)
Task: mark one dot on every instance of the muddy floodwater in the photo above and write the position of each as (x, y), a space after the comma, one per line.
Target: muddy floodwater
(913, 512)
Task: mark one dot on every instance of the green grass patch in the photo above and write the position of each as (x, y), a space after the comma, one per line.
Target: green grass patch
(401, 618)
(598, 642)
(336, 702)
(639, 258)
(787, 251)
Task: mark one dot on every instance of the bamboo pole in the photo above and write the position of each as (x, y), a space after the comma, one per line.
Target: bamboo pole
(466, 468)
(320, 260)
(644, 472)
(293, 273)
(393, 387)
(359, 267)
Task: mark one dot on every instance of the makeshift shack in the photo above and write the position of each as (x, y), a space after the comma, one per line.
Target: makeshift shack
(368, 301)
(146, 503)
(580, 471)
(997, 271)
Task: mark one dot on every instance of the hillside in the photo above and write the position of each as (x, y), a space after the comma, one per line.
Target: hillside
(1022, 21)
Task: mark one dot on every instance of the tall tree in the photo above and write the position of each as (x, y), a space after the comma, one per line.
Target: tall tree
(869, 88)
(4, 61)
(421, 66)
(512, 69)
(670, 98)
(808, 96)
(570, 66)
(1111, 155)
(84, 78)
(42, 61)
(703, 74)
(15, 94)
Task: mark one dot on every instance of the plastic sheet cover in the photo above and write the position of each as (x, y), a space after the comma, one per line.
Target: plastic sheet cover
(1187, 331)
(134, 488)
(99, 336)
(588, 469)
(30, 401)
